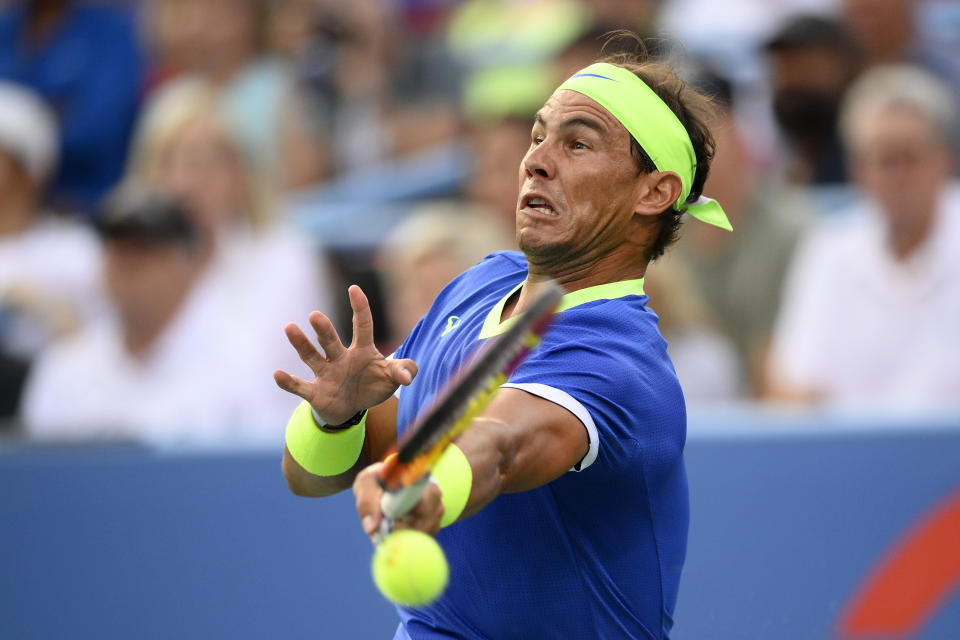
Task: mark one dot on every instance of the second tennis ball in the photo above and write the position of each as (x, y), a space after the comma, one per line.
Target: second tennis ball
(410, 569)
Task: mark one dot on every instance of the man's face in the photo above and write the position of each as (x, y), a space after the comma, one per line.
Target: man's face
(147, 279)
(806, 84)
(898, 159)
(578, 183)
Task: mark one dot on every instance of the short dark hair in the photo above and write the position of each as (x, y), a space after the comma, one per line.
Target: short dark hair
(693, 109)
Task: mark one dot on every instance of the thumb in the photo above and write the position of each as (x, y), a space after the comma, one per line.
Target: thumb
(402, 371)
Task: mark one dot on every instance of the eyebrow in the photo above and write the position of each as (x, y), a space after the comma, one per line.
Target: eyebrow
(574, 122)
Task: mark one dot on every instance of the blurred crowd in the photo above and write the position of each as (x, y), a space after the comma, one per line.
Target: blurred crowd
(181, 178)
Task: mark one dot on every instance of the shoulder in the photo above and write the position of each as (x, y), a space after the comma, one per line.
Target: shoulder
(619, 336)
(611, 357)
(492, 271)
(620, 320)
(470, 295)
(829, 242)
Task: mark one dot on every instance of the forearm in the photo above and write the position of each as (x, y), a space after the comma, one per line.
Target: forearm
(490, 455)
(520, 443)
(380, 434)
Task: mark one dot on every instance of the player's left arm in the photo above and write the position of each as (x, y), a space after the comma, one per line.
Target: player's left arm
(520, 442)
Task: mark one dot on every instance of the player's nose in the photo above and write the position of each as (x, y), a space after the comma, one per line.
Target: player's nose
(538, 161)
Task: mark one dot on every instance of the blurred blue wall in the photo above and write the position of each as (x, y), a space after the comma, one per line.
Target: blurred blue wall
(788, 517)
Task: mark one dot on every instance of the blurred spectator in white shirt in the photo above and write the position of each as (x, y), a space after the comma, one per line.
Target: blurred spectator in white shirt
(49, 268)
(246, 276)
(872, 304)
(265, 273)
(164, 370)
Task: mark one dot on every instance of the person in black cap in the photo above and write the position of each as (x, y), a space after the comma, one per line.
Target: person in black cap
(121, 378)
(152, 261)
(136, 212)
(813, 60)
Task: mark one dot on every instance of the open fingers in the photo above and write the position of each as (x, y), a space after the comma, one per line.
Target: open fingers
(362, 318)
(305, 349)
(292, 384)
(327, 336)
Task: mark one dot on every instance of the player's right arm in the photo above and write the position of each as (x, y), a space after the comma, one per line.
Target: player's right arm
(346, 381)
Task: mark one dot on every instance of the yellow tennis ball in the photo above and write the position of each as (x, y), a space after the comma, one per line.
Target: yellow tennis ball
(410, 569)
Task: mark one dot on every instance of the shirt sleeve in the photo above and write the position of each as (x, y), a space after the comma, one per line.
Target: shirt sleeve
(571, 404)
(613, 374)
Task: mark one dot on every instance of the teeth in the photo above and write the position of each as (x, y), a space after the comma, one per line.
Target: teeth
(541, 205)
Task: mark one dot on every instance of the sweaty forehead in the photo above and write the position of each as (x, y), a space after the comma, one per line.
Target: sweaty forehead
(564, 106)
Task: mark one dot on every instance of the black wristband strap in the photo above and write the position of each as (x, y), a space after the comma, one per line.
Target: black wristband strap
(352, 422)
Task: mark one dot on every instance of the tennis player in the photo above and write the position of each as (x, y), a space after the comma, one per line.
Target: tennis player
(563, 509)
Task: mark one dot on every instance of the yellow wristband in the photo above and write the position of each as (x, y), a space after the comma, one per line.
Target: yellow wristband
(323, 453)
(454, 476)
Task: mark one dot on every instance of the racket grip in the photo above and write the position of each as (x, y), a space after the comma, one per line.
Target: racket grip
(396, 504)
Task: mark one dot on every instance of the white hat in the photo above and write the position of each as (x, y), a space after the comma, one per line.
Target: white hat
(28, 130)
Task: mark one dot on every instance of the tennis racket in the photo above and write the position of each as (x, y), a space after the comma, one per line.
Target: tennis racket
(406, 469)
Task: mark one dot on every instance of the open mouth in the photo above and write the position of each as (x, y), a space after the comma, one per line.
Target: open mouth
(539, 204)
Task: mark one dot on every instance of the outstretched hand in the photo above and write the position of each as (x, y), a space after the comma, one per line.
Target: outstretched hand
(346, 379)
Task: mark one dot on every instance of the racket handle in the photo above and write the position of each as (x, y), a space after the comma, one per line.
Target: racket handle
(396, 504)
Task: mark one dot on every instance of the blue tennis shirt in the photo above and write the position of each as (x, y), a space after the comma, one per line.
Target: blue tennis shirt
(596, 553)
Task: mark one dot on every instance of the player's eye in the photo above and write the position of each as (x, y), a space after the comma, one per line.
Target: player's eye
(579, 144)
(537, 140)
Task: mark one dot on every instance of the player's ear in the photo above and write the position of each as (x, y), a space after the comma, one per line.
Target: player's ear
(657, 191)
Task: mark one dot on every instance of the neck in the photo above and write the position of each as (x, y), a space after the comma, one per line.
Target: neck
(905, 238)
(573, 275)
(140, 336)
(142, 332)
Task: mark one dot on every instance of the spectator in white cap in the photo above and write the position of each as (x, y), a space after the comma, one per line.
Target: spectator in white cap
(49, 268)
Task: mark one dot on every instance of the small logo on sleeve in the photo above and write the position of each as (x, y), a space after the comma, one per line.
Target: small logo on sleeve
(452, 323)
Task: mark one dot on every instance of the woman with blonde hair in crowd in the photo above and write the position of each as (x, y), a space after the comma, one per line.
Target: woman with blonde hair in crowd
(185, 145)
(195, 363)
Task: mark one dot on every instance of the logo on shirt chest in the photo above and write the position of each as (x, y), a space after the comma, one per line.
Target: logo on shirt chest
(452, 323)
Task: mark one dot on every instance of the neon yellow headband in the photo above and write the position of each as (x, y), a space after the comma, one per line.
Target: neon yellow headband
(652, 124)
